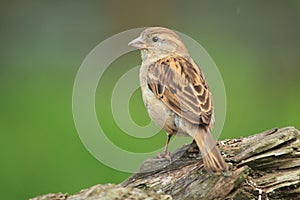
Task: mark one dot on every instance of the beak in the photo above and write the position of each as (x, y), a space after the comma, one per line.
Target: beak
(138, 43)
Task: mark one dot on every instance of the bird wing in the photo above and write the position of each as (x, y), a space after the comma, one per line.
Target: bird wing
(179, 83)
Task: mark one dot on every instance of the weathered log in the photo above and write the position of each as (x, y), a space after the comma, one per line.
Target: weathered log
(262, 166)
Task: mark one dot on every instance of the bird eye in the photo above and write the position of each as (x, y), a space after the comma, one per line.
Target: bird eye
(155, 39)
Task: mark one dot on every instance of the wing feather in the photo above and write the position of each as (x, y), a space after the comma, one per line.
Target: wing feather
(179, 83)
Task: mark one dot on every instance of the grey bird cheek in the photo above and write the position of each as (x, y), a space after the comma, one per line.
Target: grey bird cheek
(169, 47)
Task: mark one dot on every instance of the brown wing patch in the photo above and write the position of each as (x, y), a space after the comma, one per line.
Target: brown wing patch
(179, 83)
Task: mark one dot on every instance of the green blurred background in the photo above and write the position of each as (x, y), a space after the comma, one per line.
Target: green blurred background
(255, 44)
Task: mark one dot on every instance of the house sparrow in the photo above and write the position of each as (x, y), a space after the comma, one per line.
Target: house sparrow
(175, 92)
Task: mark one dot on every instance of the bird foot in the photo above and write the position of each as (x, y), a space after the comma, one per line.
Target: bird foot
(165, 155)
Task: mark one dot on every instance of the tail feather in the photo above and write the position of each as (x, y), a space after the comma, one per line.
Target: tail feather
(212, 158)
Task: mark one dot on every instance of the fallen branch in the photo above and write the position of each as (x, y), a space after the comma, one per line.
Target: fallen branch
(262, 166)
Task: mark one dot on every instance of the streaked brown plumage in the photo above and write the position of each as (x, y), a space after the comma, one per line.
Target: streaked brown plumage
(176, 93)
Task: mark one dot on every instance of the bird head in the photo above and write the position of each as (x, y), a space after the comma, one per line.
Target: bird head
(158, 42)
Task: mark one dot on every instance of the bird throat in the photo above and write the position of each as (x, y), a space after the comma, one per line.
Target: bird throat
(150, 56)
(144, 54)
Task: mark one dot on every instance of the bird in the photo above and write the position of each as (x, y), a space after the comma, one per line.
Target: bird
(176, 93)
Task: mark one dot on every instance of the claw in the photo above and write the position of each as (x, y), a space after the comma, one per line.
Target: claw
(165, 155)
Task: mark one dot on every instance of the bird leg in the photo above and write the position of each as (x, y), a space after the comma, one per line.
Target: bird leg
(166, 153)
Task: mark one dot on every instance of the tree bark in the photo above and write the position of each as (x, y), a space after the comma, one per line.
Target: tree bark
(262, 166)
